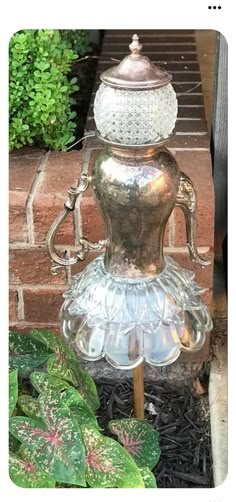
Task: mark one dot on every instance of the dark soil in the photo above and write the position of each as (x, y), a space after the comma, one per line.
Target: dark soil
(183, 422)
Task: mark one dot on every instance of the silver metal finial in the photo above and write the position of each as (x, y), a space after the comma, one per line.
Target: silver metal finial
(135, 47)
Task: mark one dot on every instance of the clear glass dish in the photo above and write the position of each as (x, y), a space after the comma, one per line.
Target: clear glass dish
(128, 321)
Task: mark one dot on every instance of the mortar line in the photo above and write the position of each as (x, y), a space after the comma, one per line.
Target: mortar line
(30, 199)
(20, 305)
(49, 287)
(28, 323)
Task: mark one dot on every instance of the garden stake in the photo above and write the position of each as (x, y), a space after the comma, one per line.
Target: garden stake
(138, 391)
(133, 304)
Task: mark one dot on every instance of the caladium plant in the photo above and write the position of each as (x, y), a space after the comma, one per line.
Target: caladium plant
(57, 437)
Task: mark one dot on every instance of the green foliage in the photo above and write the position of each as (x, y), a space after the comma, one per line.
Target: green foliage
(58, 440)
(148, 477)
(79, 40)
(25, 473)
(139, 439)
(108, 465)
(13, 391)
(25, 353)
(40, 91)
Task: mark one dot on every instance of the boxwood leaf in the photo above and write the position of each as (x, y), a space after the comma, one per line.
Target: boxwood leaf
(139, 439)
(108, 465)
(13, 390)
(25, 473)
(56, 444)
(25, 353)
(148, 477)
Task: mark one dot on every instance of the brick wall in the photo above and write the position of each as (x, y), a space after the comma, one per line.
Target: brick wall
(39, 182)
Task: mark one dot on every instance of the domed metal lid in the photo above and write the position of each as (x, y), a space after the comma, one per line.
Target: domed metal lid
(136, 72)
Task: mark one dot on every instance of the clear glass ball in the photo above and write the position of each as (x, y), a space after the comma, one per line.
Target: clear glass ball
(135, 117)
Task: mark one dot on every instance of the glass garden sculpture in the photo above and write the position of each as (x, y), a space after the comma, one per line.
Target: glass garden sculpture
(132, 303)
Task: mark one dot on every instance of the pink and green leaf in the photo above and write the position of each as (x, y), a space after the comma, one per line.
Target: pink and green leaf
(108, 465)
(86, 387)
(13, 391)
(25, 473)
(148, 477)
(139, 439)
(25, 353)
(57, 443)
(60, 367)
(54, 343)
(43, 382)
(29, 406)
(79, 408)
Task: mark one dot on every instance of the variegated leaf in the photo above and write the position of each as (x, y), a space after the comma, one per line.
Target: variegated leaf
(148, 477)
(54, 343)
(86, 387)
(13, 391)
(29, 406)
(64, 364)
(108, 465)
(25, 353)
(43, 381)
(57, 444)
(60, 367)
(79, 408)
(139, 439)
(25, 473)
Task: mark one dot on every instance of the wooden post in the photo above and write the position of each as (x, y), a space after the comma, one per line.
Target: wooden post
(138, 390)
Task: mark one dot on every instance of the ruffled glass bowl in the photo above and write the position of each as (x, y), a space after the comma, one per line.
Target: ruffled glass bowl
(128, 321)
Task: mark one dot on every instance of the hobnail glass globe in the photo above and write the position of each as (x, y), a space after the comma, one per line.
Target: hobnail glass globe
(135, 117)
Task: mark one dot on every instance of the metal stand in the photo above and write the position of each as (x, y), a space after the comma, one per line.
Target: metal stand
(138, 390)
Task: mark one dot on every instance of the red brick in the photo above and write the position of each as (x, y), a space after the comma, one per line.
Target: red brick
(18, 231)
(197, 165)
(23, 166)
(33, 266)
(188, 141)
(191, 125)
(93, 227)
(80, 266)
(13, 305)
(46, 207)
(61, 172)
(42, 305)
(203, 275)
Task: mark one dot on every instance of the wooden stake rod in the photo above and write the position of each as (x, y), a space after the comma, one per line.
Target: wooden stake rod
(138, 390)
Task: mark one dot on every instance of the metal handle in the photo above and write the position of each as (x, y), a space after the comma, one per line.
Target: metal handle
(86, 245)
(186, 200)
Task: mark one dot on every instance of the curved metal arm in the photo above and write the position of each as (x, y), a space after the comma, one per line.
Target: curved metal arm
(86, 245)
(186, 200)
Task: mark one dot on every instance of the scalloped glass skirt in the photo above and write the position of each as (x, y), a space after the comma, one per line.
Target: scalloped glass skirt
(129, 320)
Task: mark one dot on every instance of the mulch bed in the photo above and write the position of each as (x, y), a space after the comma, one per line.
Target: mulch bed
(183, 421)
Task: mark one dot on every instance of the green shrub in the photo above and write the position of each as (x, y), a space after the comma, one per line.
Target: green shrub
(55, 437)
(40, 92)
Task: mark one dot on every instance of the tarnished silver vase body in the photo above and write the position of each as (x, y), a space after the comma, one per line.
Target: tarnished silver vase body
(136, 195)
